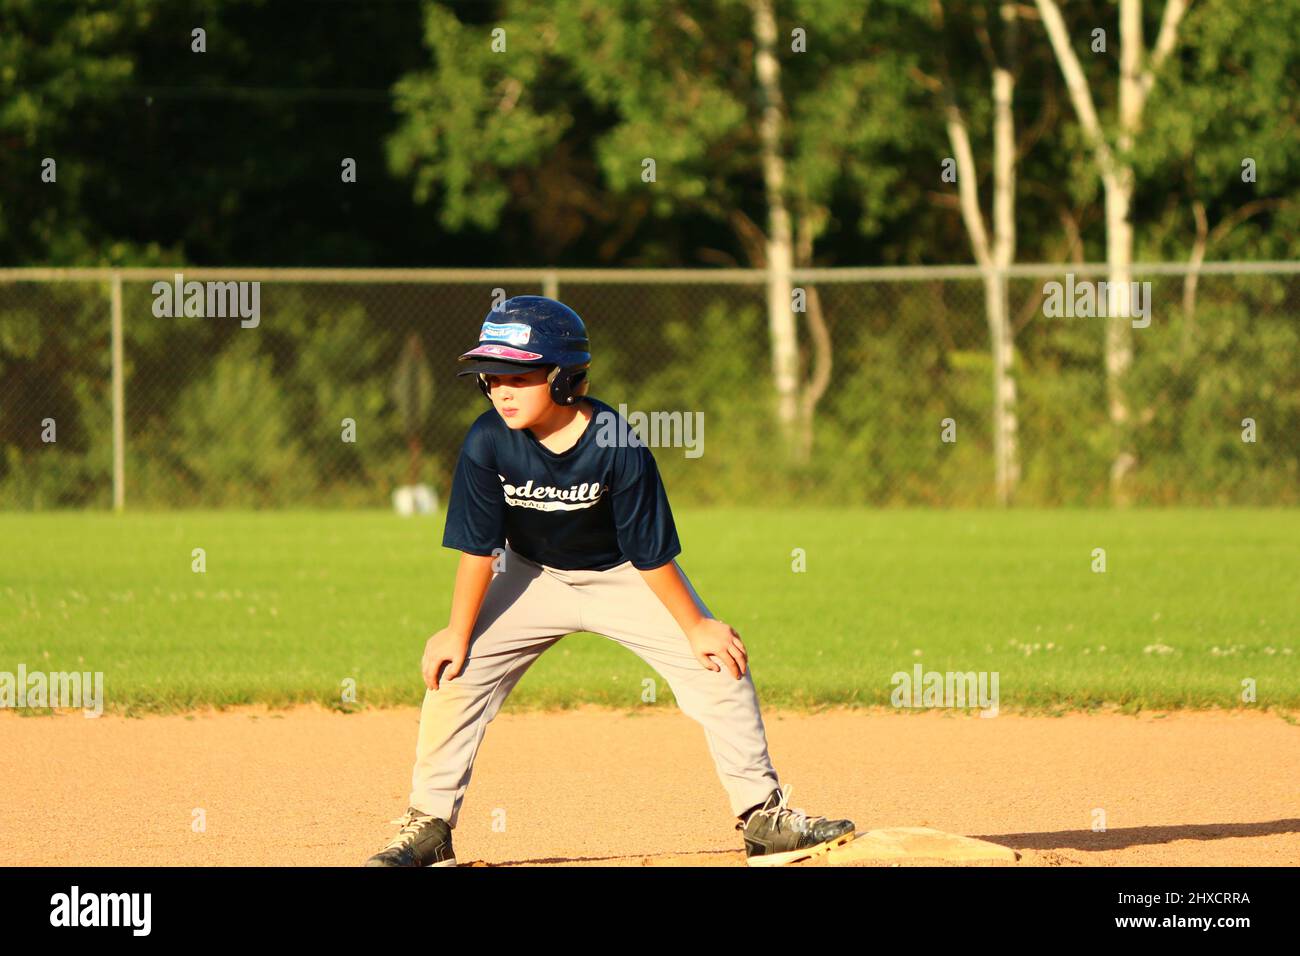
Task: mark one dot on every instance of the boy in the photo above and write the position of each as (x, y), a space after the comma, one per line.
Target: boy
(589, 543)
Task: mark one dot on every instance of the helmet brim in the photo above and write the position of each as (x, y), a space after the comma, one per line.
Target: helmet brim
(492, 358)
(498, 368)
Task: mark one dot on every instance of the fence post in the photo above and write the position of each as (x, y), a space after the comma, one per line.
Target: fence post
(999, 321)
(119, 415)
(551, 284)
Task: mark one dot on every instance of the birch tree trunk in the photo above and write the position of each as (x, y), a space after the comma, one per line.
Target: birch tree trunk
(994, 257)
(780, 241)
(1115, 166)
(1007, 471)
(1119, 249)
(1119, 330)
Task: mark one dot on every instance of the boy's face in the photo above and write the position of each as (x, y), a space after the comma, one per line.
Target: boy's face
(522, 399)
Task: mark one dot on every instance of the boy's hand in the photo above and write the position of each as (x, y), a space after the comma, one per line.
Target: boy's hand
(712, 638)
(446, 648)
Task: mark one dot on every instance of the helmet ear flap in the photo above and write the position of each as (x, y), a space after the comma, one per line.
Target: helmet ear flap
(483, 384)
(567, 384)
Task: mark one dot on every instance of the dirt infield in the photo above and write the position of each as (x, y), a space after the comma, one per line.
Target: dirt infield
(598, 787)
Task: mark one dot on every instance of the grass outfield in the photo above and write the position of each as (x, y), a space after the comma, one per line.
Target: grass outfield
(1191, 604)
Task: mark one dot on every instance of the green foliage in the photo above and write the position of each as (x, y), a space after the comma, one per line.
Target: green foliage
(1226, 99)
(234, 435)
(469, 118)
(557, 127)
(220, 415)
(54, 364)
(1232, 359)
(55, 60)
(714, 367)
(52, 477)
(906, 356)
(678, 87)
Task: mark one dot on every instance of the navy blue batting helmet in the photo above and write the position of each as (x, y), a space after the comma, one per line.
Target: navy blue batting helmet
(532, 331)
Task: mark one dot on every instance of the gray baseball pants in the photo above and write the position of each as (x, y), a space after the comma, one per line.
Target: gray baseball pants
(527, 608)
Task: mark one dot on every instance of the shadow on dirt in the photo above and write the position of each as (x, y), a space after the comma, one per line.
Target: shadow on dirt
(1119, 839)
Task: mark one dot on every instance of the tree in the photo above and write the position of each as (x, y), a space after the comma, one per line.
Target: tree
(994, 250)
(54, 62)
(1214, 136)
(710, 107)
(1113, 158)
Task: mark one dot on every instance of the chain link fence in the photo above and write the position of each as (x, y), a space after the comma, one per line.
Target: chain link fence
(296, 406)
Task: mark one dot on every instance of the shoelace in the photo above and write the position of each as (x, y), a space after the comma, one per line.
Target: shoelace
(410, 827)
(800, 818)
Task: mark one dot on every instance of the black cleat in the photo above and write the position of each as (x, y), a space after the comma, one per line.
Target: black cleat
(424, 840)
(776, 834)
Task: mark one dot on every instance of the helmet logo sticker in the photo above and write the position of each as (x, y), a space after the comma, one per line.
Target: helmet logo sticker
(516, 333)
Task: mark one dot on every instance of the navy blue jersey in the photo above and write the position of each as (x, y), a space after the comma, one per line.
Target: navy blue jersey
(589, 508)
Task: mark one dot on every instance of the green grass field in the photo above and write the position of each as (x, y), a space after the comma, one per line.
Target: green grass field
(1191, 604)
